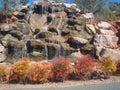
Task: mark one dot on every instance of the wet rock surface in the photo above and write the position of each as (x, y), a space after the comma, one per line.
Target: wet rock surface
(47, 30)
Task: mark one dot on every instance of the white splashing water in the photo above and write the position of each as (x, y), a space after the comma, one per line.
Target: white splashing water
(46, 52)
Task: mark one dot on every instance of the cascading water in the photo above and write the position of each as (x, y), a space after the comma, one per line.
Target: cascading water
(46, 52)
(53, 14)
(59, 35)
(26, 38)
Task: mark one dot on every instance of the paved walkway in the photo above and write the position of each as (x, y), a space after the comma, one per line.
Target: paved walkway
(106, 86)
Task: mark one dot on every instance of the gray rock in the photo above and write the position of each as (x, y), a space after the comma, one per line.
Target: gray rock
(45, 35)
(9, 37)
(2, 57)
(21, 8)
(37, 21)
(2, 48)
(90, 28)
(19, 15)
(17, 34)
(103, 52)
(78, 40)
(5, 27)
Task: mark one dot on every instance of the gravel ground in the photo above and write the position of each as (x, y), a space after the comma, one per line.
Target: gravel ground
(64, 84)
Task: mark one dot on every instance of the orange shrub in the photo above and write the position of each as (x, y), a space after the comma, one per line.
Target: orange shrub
(60, 69)
(84, 67)
(2, 73)
(19, 71)
(39, 72)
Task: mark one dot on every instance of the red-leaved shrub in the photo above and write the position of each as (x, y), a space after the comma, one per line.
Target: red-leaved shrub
(84, 67)
(117, 68)
(60, 69)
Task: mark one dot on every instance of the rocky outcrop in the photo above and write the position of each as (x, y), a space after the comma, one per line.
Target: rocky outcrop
(106, 41)
(45, 30)
(2, 53)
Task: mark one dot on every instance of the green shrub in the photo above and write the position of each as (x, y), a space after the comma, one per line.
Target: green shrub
(105, 14)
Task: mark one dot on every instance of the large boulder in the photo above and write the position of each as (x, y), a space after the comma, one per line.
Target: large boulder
(23, 27)
(88, 49)
(17, 34)
(2, 49)
(90, 28)
(19, 15)
(24, 8)
(52, 50)
(71, 22)
(78, 27)
(41, 7)
(2, 57)
(104, 25)
(45, 35)
(9, 37)
(5, 28)
(37, 21)
(37, 55)
(109, 41)
(84, 34)
(15, 47)
(77, 40)
(55, 39)
(35, 45)
(107, 52)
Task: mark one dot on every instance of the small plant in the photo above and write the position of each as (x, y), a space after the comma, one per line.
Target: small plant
(118, 68)
(2, 73)
(60, 69)
(19, 71)
(84, 67)
(108, 65)
(40, 72)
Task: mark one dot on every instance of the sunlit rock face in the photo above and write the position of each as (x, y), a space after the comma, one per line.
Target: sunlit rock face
(46, 29)
(106, 40)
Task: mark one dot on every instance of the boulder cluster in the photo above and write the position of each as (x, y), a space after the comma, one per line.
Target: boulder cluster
(44, 30)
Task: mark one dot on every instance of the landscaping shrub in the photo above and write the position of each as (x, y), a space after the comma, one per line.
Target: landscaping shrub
(118, 68)
(60, 69)
(84, 68)
(40, 72)
(19, 71)
(2, 73)
(108, 65)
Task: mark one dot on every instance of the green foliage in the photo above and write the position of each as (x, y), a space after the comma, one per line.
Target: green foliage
(108, 65)
(90, 5)
(23, 1)
(105, 14)
(115, 6)
(59, 1)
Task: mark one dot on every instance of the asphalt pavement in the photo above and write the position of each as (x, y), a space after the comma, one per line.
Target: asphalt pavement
(106, 86)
